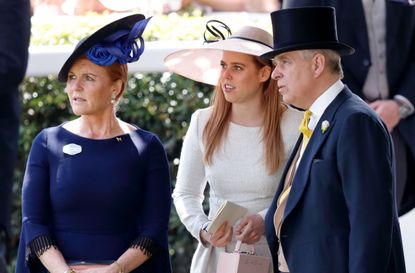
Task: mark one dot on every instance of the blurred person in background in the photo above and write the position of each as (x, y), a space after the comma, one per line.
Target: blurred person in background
(14, 43)
(236, 5)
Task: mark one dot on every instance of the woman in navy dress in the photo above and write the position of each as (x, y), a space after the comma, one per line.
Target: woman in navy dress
(96, 191)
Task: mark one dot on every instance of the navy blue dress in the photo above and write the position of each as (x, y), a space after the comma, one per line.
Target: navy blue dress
(96, 200)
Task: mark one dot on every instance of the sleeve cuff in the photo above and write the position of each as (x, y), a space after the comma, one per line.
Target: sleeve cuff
(145, 244)
(404, 101)
(39, 245)
(204, 228)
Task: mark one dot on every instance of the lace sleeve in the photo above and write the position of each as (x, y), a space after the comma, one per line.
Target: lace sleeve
(39, 245)
(145, 244)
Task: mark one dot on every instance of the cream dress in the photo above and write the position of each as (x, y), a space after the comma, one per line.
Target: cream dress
(237, 174)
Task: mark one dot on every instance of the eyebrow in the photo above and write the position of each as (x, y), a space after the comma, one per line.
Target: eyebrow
(234, 63)
(84, 74)
(90, 74)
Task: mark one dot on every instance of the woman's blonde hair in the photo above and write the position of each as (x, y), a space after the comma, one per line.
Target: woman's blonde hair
(218, 123)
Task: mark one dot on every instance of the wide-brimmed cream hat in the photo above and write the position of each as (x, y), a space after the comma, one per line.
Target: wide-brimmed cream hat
(202, 64)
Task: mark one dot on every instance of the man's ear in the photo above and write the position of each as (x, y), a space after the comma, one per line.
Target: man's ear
(318, 64)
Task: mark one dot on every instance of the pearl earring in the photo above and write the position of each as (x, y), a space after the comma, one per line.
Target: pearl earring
(112, 99)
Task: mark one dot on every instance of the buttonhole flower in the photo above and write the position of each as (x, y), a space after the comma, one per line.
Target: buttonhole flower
(324, 126)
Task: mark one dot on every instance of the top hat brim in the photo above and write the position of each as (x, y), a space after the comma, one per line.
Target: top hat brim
(86, 43)
(339, 47)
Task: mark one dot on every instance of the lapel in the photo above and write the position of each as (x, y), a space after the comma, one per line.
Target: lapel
(393, 15)
(288, 165)
(360, 29)
(316, 141)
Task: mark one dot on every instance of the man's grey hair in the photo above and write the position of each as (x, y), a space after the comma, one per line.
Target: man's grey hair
(333, 60)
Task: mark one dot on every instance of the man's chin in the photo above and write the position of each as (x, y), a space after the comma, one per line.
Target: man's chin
(286, 99)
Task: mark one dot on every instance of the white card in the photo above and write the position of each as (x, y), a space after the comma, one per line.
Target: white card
(72, 149)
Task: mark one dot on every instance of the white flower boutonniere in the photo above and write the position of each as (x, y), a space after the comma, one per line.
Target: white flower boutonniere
(324, 126)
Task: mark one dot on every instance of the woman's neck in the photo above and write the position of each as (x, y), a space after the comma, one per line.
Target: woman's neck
(98, 127)
(248, 114)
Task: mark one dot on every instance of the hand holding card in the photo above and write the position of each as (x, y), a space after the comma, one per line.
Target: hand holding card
(229, 212)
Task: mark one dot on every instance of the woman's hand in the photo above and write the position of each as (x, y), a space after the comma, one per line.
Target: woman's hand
(250, 229)
(220, 238)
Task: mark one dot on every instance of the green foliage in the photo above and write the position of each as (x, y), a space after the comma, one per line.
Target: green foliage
(185, 26)
(69, 30)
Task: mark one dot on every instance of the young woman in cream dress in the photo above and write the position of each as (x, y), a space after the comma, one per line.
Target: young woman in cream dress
(238, 145)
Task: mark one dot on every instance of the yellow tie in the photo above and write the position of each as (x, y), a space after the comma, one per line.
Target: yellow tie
(279, 213)
(304, 129)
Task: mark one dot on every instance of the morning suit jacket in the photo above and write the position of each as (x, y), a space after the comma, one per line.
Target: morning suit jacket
(400, 56)
(340, 215)
(14, 42)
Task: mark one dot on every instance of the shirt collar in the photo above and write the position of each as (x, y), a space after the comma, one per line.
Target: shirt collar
(321, 103)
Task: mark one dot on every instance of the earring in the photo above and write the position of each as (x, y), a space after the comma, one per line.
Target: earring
(112, 99)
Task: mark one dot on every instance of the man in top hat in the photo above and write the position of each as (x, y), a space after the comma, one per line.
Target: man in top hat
(334, 210)
(382, 72)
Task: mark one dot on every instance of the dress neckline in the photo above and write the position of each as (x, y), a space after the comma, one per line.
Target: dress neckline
(244, 126)
(98, 139)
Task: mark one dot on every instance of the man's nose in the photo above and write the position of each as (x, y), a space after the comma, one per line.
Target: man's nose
(276, 74)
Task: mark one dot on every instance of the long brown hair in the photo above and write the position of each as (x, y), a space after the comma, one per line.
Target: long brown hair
(217, 125)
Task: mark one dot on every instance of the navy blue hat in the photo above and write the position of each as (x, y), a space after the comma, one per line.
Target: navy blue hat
(113, 42)
(305, 28)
